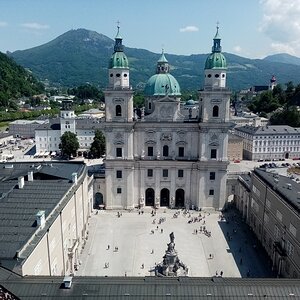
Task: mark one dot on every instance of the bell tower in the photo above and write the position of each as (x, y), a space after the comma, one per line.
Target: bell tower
(214, 124)
(118, 95)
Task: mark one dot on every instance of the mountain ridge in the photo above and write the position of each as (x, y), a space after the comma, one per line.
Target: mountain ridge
(79, 56)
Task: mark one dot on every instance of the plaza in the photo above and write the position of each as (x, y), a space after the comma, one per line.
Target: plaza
(127, 246)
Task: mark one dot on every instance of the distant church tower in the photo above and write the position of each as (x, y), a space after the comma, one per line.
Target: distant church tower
(214, 102)
(67, 117)
(273, 83)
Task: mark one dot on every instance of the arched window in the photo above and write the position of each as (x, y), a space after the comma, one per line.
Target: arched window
(216, 111)
(118, 111)
(165, 150)
(149, 105)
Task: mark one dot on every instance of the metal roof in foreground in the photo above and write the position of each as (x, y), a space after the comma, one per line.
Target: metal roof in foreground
(37, 287)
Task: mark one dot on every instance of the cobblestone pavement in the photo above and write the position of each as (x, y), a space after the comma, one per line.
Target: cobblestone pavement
(120, 246)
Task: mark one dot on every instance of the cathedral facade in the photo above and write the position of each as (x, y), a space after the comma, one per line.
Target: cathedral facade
(166, 158)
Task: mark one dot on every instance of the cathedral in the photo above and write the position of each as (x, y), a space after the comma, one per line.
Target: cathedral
(166, 158)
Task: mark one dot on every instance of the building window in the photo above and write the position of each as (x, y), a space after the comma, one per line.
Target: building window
(211, 192)
(149, 105)
(180, 173)
(216, 111)
(118, 111)
(119, 152)
(150, 173)
(165, 173)
(165, 150)
(276, 232)
(293, 230)
(119, 190)
(279, 215)
(289, 249)
(213, 153)
(256, 191)
(181, 151)
(150, 151)
(212, 175)
(119, 174)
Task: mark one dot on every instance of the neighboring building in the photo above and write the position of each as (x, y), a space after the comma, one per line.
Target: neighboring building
(235, 147)
(248, 118)
(44, 211)
(269, 142)
(270, 205)
(165, 159)
(5, 138)
(25, 128)
(47, 136)
(92, 113)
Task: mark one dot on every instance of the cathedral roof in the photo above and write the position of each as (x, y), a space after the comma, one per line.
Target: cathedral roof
(118, 59)
(162, 83)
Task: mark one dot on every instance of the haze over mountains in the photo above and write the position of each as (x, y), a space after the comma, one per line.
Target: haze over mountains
(80, 56)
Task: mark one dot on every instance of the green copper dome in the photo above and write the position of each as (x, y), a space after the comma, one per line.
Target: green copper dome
(161, 85)
(216, 61)
(118, 59)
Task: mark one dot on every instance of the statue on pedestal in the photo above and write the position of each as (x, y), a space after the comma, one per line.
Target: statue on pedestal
(171, 265)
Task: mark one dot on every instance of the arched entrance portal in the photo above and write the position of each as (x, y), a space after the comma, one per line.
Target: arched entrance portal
(164, 197)
(98, 201)
(286, 156)
(149, 197)
(179, 198)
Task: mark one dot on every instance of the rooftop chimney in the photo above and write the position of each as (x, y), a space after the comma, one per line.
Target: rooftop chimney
(67, 282)
(30, 176)
(289, 186)
(40, 218)
(21, 182)
(74, 178)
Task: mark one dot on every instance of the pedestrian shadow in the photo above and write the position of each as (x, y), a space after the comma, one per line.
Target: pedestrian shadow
(250, 257)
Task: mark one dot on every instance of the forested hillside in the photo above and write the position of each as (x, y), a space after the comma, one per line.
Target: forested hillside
(15, 82)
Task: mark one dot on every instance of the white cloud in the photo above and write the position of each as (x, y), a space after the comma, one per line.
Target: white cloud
(35, 26)
(282, 25)
(237, 49)
(190, 28)
(3, 24)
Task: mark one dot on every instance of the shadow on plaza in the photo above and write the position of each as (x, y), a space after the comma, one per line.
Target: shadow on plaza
(247, 251)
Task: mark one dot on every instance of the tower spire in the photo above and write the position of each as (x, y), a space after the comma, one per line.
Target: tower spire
(217, 41)
(118, 40)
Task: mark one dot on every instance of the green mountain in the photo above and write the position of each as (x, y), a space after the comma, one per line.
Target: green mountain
(80, 56)
(284, 58)
(15, 81)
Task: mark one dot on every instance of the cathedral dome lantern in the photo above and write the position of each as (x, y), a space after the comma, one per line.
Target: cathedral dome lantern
(216, 65)
(118, 65)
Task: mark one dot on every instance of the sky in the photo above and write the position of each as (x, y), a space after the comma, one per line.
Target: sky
(249, 28)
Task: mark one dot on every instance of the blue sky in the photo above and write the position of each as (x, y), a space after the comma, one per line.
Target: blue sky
(250, 28)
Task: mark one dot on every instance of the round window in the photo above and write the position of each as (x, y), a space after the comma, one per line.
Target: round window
(125, 75)
(118, 75)
(223, 75)
(111, 75)
(209, 75)
(217, 75)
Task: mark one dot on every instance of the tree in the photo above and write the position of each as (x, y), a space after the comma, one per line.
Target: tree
(98, 145)
(69, 143)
